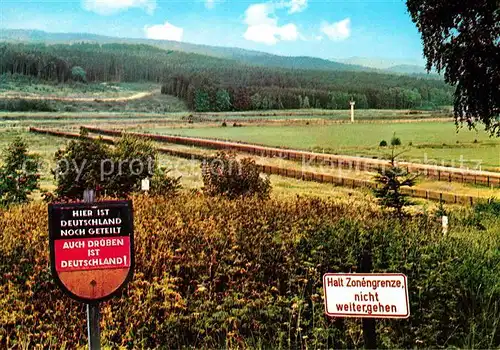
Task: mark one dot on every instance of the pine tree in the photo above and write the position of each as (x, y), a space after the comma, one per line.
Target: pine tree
(390, 181)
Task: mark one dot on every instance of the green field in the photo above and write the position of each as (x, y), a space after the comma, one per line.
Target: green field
(429, 140)
(437, 142)
(334, 114)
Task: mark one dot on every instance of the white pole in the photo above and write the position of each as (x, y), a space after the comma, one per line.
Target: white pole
(352, 111)
(445, 224)
(145, 184)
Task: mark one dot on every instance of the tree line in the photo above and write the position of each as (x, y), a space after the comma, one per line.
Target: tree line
(214, 84)
(204, 93)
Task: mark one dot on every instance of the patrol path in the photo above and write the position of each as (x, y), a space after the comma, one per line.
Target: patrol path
(433, 172)
(293, 173)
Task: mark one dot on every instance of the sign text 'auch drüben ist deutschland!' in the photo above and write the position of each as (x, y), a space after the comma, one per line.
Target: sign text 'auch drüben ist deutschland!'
(91, 248)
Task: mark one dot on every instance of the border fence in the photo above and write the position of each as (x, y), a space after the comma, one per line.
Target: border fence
(433, 172)
(445, 197)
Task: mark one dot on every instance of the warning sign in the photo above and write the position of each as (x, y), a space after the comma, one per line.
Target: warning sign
(366, 295)
(91, 248)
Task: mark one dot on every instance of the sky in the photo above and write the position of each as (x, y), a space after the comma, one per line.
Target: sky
(321, 28)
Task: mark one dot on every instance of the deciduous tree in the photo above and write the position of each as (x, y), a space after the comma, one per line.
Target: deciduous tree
(462, 38)
(19, 174)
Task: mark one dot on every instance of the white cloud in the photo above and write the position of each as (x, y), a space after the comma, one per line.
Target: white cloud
(109, 7)
(209, 4)
(297, 6)
(337, 31)
(263, 26)
(260, 14)
(165, 31)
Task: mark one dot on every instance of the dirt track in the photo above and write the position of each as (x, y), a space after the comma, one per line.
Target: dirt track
(297, 174)
(431, 171)
(78, 99)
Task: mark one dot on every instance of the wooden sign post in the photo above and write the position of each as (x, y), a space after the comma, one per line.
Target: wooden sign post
(91, 253)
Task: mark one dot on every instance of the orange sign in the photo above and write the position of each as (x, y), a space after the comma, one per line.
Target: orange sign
(91, 248)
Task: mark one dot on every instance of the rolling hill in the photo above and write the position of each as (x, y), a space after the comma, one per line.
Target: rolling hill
(242, 55)
(396, 66)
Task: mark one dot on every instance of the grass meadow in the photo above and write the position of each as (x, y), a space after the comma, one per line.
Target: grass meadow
(246, 274)
(333, 114)
(429, 142)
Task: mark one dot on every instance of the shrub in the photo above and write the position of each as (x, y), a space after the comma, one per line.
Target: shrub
(79, 168)
(164, 185)
(117, 172)
(383, 143)
(18, 174)
(22, 105)
(213, 273)
(132, 160)
(395, 141)
(491, 207)
(227, 176)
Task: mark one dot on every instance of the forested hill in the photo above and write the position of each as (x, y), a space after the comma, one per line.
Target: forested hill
(244, 56)
(211, 83)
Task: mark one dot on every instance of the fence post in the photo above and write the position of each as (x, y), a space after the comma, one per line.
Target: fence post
(93, 331)
(369, 324)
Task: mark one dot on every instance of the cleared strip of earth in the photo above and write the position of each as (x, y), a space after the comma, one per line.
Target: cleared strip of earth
(434, 172)
(293, 173)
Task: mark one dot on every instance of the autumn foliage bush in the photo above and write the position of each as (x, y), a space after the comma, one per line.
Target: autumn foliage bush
(219, 273)
(225, 175)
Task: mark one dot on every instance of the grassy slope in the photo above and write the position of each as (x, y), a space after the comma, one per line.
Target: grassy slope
(156, 103)
(26, 87)
(94, 93)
